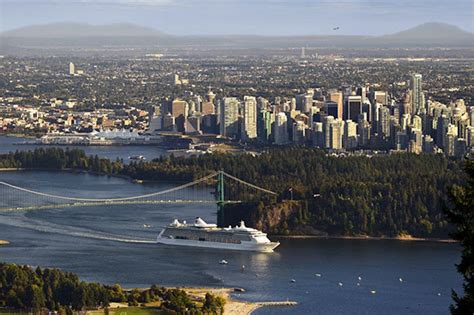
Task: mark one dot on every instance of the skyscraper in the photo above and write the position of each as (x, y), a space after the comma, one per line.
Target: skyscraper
(417, 97)
(281, 129)
(249, 118)
(354, 107)
(229, 112)
(72, 69)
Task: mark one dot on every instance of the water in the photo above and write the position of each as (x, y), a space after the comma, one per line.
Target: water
(11, 144)
(111, 245)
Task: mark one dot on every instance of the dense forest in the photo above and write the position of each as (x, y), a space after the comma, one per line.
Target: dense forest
(24, 288)
(387, 195)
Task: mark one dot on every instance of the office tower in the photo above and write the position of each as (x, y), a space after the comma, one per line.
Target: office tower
(405, 121)
(179, 110)
(327, 120)
(193, 125)
(364, 130)
(354, 107)
(318, 135)
(417, 122)
(349, 140)
(207, 108)
(450, 139)
(470, 136)
(332, 108)
(460, 146)
(384, 122)
(169, 123)
(336, 131)
(303, 53)
(229, 121)
(210, 96)
(362, 92)
(337, 97)
(380, 97)
(441, 130)
(417, 97)
(416, 142)
(249, 118)
(428, 144)
(293, 104)
(367, 109)
(155, 119)
(299, 132)
(265, 119)
(281, 129)
(198, 103)
(72, 69)
(307, 103)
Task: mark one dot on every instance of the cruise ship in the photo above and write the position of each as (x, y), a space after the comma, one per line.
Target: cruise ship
(202, 234)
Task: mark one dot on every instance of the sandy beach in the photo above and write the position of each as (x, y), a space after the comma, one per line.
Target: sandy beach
(232, 306)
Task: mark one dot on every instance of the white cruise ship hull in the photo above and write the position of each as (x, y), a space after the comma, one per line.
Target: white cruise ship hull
(245, 246)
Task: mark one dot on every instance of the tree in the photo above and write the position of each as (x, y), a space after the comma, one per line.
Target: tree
(460, 212)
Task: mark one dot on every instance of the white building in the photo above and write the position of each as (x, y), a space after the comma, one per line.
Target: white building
(229, 120)
(249, 118)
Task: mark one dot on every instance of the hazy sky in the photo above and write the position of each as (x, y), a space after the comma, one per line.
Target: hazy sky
(269, 17)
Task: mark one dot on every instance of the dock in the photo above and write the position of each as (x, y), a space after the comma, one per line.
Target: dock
(277, 303)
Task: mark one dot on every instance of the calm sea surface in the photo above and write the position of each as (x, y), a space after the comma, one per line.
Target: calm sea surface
(112, 245)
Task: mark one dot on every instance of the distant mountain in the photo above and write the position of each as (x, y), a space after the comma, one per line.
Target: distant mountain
(432, 31)
(68, 30)
(72, 37)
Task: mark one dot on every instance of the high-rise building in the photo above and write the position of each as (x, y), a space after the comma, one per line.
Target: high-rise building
(299, 132)
(281, 129)
(417, 97)
(249, 118)
(349, 140)
(179, 110)
(229, 121)
(336, 131)
(72, 69)
(354, 107)
(337, 97)
(364, 129)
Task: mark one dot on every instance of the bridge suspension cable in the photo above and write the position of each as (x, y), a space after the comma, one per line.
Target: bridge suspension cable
(109, 199)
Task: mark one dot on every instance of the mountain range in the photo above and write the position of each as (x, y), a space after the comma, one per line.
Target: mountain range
(71, 35)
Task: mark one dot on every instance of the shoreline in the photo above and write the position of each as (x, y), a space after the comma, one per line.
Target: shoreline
(369, 238)
(233, 305)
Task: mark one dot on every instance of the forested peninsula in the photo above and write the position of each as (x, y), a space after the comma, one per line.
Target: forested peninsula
(387, 195)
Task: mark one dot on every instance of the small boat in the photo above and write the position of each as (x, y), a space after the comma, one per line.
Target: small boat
(318, 275)
(146, 226)
(243, 268)
(223, 262)
(358, 284)
(137, 157)
(400, 279)
(292, 280)
(373, 291)
(340, 284)
(360, 278)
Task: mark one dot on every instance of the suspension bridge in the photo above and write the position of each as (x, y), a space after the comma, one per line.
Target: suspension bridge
(228, 189)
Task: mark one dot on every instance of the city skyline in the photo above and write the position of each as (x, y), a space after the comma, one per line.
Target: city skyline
(261, 17)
